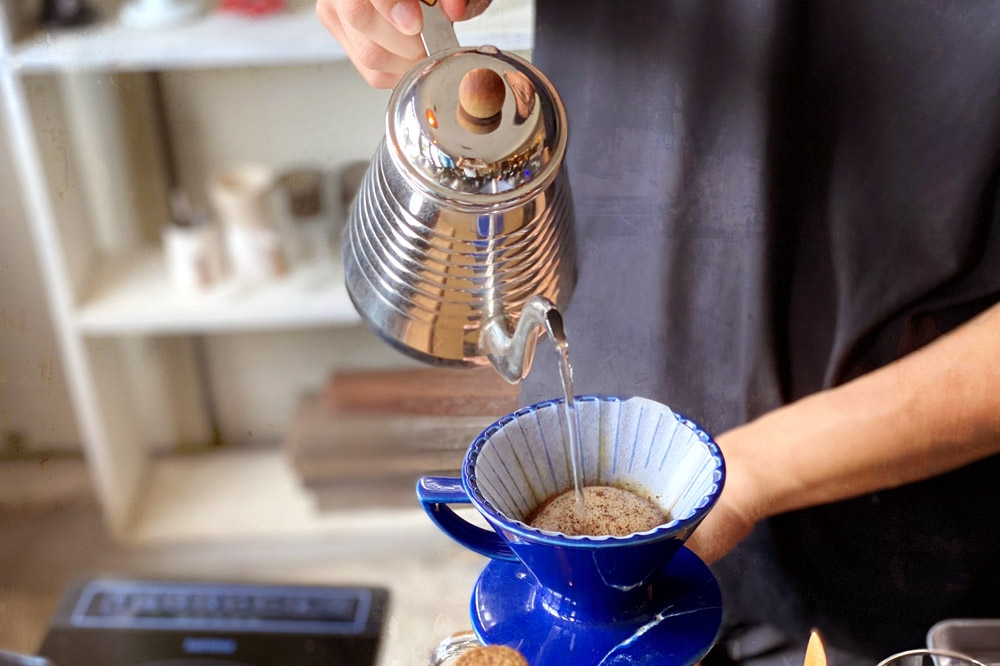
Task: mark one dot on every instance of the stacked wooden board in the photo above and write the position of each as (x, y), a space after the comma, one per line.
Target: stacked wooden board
(368, 435)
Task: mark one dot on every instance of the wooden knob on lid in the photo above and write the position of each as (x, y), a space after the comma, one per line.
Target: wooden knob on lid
(481, 93)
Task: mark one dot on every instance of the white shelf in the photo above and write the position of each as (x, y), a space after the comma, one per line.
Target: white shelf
(244, 495)
(132, 295)
(226, 40)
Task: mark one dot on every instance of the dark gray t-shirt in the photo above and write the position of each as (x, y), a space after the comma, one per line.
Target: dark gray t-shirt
(773, 198)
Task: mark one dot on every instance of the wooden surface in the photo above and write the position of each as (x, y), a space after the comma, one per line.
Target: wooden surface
(369, 435)
(421, 392)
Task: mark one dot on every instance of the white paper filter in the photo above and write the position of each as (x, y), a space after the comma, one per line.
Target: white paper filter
(637, 444)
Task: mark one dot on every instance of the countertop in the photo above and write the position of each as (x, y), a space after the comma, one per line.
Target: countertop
(47, 543)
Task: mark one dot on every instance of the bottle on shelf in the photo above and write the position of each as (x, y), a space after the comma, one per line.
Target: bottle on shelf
(193, 248)
(241, 198)
(310, 226)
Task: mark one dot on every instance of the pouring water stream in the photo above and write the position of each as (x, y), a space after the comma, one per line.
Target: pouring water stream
(554, 327)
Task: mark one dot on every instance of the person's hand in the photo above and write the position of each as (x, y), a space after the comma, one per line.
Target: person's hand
(724, 527)
(740, 507)
(381, 37)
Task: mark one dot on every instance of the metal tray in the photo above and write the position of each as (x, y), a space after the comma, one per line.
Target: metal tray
(979, 639)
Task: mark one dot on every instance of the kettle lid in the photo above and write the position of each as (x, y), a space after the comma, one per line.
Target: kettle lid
(477, 125)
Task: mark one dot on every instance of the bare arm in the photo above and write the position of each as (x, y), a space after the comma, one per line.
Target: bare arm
(926, 414)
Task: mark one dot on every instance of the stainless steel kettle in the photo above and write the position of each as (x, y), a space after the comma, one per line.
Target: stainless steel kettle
(459, 248)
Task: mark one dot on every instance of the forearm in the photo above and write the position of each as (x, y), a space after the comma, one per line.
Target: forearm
(929, 413)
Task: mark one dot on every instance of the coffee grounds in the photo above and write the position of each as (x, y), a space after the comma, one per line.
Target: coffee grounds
(492, 655)
(610, 511)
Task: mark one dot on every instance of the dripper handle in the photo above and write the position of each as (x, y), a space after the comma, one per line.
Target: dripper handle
(438, 33)
(435, 494)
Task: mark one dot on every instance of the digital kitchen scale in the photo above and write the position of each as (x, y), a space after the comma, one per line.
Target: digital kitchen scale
(117, 622)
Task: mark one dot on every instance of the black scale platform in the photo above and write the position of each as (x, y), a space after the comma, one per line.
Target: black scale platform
(117, 622)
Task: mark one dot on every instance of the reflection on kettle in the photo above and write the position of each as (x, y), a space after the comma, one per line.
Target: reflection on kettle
(460, 242)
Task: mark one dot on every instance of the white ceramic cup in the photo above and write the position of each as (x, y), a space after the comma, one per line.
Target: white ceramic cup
(241, 196)
(194, 256)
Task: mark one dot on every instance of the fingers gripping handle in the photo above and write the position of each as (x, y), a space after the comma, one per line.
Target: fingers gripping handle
(438, 33)
(435, 494)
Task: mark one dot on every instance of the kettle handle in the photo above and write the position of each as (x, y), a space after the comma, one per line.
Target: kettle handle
(438, 33)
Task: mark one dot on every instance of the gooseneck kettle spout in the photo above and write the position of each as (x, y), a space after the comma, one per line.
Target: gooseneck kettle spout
(511, 353)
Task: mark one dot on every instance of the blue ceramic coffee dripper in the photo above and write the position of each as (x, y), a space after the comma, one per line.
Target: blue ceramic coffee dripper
(641, 598)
